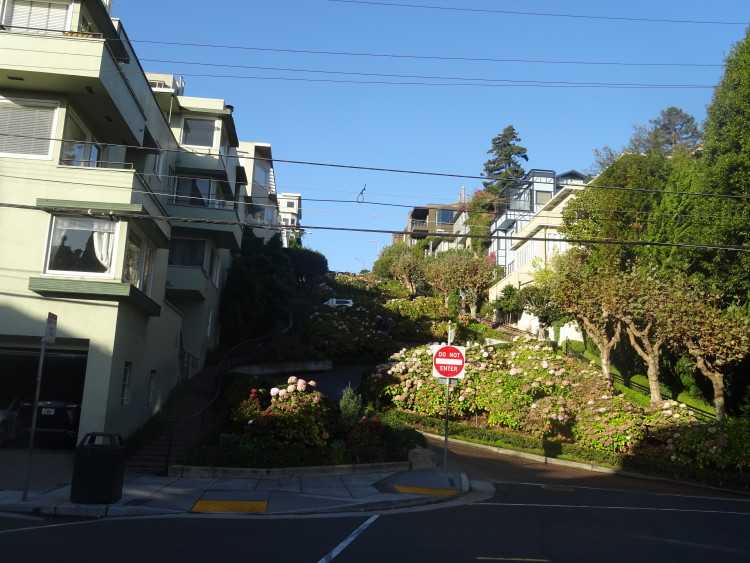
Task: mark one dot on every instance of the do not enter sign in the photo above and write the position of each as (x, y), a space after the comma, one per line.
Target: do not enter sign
(448, 361)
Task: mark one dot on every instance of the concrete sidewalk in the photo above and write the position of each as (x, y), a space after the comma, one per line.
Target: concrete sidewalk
(153, 495)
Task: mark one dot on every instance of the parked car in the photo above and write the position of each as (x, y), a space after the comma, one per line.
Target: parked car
(55, 416)
(339, 302)
(8, 418)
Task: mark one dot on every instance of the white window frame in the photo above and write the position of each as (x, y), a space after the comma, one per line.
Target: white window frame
(68, 15)
(38, 103)
(90, 141)
(146, 258)
(213, 140)
(127, 374)
(112, 245)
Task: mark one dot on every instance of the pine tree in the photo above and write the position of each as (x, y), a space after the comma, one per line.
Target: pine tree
(504, 169)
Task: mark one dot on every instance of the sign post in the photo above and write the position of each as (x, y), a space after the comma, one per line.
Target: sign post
(448, 363)
(50, 331)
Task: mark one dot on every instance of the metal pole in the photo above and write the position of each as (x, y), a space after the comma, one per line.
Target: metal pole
(33, 420)
(447, 400)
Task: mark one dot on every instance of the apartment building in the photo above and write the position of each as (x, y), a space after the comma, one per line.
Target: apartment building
(121, 201)
(290, 215)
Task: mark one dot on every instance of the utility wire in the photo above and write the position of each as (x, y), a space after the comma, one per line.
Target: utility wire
(410, 56)
(244, 224)
(541, 14)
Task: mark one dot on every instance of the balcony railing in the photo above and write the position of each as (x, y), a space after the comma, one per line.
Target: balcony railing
(45, 31)
(89, 155)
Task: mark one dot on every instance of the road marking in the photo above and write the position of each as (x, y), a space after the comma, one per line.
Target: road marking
(353, 536)
(241, 506)
(423, 491)
(513, 559)
(612, 508)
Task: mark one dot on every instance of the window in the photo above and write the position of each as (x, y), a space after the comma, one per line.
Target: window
(543, 197)
(79, 147)
(26, 128)
(81, 245)
(151, 387)
(125, 391)
(139, 259)
(194, 191)
(36, 17)
(198, 132)
(187, 252)
(290, 204)
(204, 192)
(261, 175)
(215, 266)
(445, 216)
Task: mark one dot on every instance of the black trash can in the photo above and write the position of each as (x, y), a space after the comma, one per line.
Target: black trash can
(98, 469)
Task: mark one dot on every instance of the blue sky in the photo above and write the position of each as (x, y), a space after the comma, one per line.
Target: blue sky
(445, 118)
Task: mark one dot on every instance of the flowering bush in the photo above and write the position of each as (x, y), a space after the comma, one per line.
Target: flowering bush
(295, 417)
(527, 387)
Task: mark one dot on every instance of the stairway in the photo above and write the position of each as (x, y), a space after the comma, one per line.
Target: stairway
(151, 458)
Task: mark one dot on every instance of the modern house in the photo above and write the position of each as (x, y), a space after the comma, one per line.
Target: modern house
(121, 200)
(526, 233)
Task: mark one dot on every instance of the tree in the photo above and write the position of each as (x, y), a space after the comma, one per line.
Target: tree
(676, 129)
(504, 168)
(481, 212)
(308, 265)
(581, 291)
(409, 269)
(726, 168)
(258, 290)
(461, 269)
(601, 211)
(383, 265)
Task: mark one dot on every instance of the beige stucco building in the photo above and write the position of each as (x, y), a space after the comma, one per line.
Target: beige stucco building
(121, 200)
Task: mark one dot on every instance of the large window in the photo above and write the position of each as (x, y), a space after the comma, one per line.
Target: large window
(204, 192)
(139, 260)
(79, 147)
(82, 246)
(198, 132)
(187, 252)
(26, 128)
(445, 216)
(261, 175)
(36, 17)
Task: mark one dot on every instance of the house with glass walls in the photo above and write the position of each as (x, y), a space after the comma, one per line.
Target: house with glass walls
(525, 234)
(121, 201)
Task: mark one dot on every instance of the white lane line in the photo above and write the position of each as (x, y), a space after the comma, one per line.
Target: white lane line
(611, 508)
(340, 547)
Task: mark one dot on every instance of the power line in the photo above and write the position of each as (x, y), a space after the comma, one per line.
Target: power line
(479, 82)
(244, 224)
(541, 14)
(410, 56)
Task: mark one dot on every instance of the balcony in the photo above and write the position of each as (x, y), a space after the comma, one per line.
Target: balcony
(187, 283)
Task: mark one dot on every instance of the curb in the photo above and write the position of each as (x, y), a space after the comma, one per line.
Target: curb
(287, 472)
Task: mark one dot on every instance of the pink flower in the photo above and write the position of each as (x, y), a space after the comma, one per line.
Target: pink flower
(301, 384)
(311, 383)
(274, 391)
(292, 379)
(291, 388)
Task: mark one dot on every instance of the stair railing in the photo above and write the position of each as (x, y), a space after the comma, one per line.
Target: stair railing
(238, 355)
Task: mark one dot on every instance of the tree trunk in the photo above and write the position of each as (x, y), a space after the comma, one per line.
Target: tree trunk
(649, 352)
(714, 375)
(604, 342)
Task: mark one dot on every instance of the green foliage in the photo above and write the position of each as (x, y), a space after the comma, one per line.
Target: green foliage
(504, 168)
(350, 409)
(308, 265)
(259, 288)
(726, 171)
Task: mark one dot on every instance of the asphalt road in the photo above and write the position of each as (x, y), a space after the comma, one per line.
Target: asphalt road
(536, 512)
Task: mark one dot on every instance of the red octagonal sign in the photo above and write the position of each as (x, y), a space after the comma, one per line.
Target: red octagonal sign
(448, 361)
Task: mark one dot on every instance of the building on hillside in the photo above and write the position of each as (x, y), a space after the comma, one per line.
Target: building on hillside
(121, 202)
(264, 216)
(290, 215)
(526, 233)
(431, 220)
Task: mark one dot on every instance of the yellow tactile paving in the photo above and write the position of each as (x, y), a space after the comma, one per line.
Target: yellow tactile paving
(423, 491)
(241, 506)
